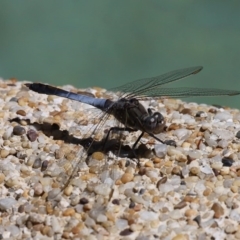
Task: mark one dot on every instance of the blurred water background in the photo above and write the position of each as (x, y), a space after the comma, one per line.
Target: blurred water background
(108, 43)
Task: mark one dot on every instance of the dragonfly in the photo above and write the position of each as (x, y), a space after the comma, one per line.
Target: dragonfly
(128, 109)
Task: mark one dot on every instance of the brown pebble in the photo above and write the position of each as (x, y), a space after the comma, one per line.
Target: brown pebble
(45, 230)
(98, 156)
(49, 208)
(126, 232)
(66, 235)
(87, 207)
(234, 189)
(206, 192)
(138, 207)
(23, 101)
(180, 236)
(21, 208)
(78, 228)
(161, 181)
(218, 210)
(32, 135)
(191, 213)
(186, 111)
(111, 216)
(173, 126)
(68, 190)
(157, 160)
(38, 226)
(2, 177)
(126, 177)
(18, 130)
(142, 171)
(21, 112)
(149, 164)
(194, 170)
(236, 183)
(69, 212)
(156, 199)
(176, 170)
(180, 205)
(4, 153)
(25, 193)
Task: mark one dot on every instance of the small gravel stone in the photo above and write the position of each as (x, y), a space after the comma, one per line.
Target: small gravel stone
(180, 205)
(7, 203)
(218, 210)
(32, 135)
(223, 116)
(126, 177)
(102, 189)
(69, 212)
(21, 112)
(84, 201)
(227, 162)
(238, 134)
(44, 165)
(38, 189)
(18, 130)
(161, 150)
(37, 163)
(4, 153)
(98, 156)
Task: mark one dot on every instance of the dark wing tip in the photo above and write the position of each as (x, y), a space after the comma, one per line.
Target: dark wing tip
(28, 85)
(198, 69)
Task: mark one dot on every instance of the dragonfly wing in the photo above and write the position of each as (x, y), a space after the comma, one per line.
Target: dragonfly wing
(187, 92)
(141, 86)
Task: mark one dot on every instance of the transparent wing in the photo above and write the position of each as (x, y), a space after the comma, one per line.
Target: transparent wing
(143, 86)
(187, 92)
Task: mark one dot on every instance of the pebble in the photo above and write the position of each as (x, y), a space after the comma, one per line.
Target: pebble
(32, 135)
(7, 203)
(180, 205)
(126, 177)
(102, 189)
(176, 191)
(21, 112)
(38, 189)
(227, 162)
(238, 134)
(98, 156)
(218, 210)
(44, 165)
(180, 236)
(37, 163)
(223, 116)
(191, 213)
(161, 150)
(4, 153)
(182, 134)
(68, 212)
(18, 130)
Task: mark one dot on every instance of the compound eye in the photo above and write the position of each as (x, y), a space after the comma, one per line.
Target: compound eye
(150, 123)
(159, 117)
(134, 101)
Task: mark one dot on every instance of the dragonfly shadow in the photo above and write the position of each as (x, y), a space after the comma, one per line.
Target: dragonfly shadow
(114, 145)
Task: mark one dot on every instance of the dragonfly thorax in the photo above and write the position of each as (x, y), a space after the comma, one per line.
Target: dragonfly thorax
(131, 113)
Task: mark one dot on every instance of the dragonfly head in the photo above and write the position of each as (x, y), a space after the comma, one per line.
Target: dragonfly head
(154, 122)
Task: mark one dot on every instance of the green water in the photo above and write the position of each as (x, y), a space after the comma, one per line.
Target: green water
(108, 43)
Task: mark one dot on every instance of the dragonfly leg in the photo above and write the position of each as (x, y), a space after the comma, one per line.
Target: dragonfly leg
(167, 142)
(115, 129)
